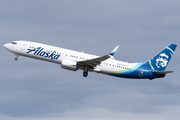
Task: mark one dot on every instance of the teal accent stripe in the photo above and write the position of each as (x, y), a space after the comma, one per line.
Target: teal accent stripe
(112, 53)
(72, 65)
(170, 49)
(151, 64)
(123, 72)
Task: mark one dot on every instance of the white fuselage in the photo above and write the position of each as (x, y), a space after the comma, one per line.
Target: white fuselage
(23, 47)
(73, 60)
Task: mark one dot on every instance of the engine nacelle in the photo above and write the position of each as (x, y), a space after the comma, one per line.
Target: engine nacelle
(69, 65)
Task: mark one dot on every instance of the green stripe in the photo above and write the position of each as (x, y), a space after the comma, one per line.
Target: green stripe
(122, 70)
(170, 49)
(118, 72)
(151, 64)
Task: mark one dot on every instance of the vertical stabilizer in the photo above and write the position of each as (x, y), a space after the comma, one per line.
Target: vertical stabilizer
(161, 60)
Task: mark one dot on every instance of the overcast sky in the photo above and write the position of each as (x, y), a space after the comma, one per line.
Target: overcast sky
(38, 90)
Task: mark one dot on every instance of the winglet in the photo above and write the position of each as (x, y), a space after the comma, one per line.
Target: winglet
(114, 51)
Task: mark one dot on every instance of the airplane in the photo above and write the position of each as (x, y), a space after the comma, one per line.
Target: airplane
(73, 60)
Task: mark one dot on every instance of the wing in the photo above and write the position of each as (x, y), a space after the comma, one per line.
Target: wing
(90, 64)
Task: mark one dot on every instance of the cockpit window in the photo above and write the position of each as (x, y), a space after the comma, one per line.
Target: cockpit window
(14, 42)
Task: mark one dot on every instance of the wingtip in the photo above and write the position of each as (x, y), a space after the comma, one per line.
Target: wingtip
(114, 51)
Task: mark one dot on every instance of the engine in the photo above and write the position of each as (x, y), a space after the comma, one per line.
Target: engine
(69, 65)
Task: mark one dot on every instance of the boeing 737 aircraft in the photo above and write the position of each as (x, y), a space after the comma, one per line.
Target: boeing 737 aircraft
(73, 60)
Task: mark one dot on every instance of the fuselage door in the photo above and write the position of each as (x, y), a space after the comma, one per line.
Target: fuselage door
(24, 46)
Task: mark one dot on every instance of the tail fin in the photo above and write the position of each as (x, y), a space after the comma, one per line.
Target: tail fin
(161, 60)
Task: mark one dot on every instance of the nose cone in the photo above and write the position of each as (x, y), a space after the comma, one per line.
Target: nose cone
(6, 46)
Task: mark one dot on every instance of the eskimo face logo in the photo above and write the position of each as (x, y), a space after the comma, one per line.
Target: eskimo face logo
(162, 60)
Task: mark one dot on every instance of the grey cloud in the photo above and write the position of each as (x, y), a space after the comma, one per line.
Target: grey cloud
(33, 89)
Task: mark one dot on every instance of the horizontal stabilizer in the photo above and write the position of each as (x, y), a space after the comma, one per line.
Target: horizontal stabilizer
(162, 72)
